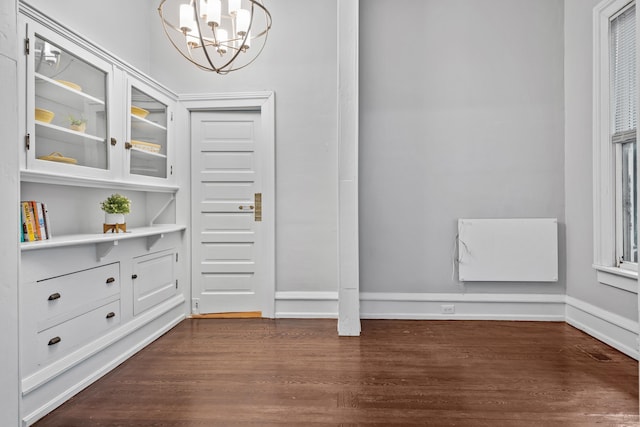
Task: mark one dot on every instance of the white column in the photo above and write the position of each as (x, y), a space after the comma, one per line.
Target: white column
(9, 218)
(348, 253)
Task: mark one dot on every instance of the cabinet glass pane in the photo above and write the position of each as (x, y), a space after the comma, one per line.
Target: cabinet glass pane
(148, 152)
(71, 108)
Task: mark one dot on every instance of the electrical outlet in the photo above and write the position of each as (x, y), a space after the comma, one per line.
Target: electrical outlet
(448, 309)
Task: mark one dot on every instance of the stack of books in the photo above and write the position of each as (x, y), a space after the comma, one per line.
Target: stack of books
(35, 221)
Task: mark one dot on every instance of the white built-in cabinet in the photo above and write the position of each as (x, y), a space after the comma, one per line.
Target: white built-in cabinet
(125, 135)
(89, 300)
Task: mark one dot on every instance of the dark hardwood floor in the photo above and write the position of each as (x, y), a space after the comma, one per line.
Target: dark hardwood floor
(262, 372)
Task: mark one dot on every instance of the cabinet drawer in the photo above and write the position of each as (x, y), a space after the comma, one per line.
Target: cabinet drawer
(57, 299)
(60, 340)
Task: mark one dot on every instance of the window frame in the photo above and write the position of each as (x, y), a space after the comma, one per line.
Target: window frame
(606, 158)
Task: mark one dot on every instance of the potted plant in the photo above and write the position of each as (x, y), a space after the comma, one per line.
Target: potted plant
(77, 124)
(115, 207)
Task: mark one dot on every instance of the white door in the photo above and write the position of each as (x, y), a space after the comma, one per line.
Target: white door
(230, 238)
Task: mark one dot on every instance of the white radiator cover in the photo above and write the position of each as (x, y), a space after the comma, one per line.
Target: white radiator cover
(508, 250)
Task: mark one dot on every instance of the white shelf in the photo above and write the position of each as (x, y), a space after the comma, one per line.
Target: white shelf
(52, 89)
(64, 179)
(144, 153)
(54, 132)
(104, 242)
(140, 122)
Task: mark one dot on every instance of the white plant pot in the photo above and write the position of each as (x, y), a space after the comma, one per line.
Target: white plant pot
(113, 218)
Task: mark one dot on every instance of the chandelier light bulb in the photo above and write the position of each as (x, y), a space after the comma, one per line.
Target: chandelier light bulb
(203, 9)
(223, 40)
(243, 19)
(50, 54)
(214, 13)
(186, 18)
(234, 6)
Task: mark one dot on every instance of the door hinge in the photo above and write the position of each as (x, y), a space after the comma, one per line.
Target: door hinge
(27, 48)
(172, 116)
(27, 141)
(171, 170)
(176, 257)
(176, 284)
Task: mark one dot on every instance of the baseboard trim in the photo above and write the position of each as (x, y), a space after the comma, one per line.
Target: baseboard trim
(618, 332)
(228, 315)
(307, 305)
(610, 328)
(424, 306)
(383, 305)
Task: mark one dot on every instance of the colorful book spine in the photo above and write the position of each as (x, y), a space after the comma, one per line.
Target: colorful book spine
(38, 221)
(45, 216)
(35, 224)
(29, 224)
(41, 223)
(21, 224)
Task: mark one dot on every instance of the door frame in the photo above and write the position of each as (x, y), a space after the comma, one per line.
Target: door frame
(264, 102)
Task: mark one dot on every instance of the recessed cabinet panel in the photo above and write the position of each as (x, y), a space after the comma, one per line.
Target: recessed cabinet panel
(154, 280)
(70, 106)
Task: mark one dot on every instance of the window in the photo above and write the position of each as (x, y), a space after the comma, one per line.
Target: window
(615, 123)
(623, 128)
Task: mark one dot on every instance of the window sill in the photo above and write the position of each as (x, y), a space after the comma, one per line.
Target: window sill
(618, 278)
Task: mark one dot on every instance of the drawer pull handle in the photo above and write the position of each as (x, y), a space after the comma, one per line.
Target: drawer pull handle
(134, 276)
(110, 315)
(110, 280)
(54, 297)
(54, 340)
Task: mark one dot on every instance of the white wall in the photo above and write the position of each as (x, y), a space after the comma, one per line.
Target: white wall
(461, 115)
(465, 119)
(299, 65)
(119, 26)
(581, 277)
(9, 183)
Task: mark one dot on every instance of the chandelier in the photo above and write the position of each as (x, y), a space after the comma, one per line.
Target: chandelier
(216, 35)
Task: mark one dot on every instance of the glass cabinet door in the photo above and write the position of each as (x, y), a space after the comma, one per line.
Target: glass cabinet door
(69, 104)
(148, 138)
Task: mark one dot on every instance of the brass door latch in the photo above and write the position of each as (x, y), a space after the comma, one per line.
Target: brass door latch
(256, 207)
(257, 201)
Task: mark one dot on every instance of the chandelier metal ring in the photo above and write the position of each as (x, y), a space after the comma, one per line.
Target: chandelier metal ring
(212, 40)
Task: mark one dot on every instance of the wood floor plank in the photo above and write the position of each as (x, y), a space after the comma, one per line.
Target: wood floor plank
(263, 372)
